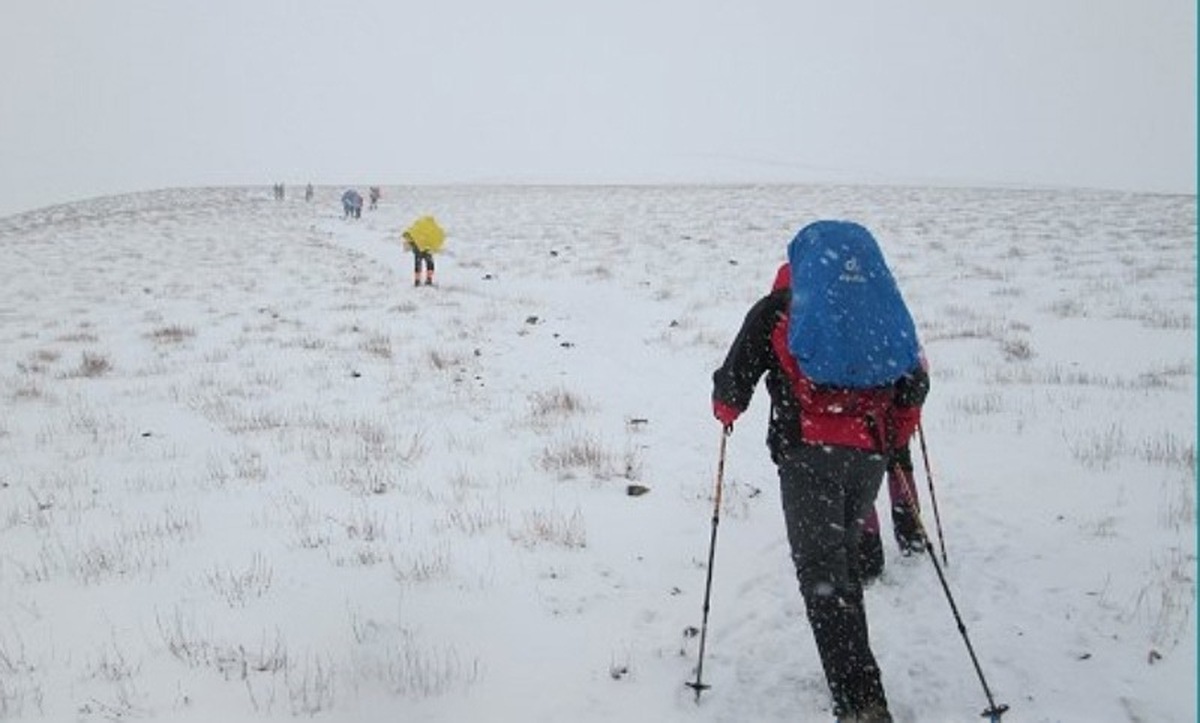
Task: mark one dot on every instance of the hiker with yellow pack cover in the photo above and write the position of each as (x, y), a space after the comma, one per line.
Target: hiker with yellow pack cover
(424, 238)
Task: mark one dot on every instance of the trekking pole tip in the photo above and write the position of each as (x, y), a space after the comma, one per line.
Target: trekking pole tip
(993, 714)
(699, 688)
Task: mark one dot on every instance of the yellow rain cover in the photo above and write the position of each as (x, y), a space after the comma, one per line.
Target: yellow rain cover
(426, 234)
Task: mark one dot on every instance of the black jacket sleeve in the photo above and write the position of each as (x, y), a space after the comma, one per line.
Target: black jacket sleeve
(750, 356)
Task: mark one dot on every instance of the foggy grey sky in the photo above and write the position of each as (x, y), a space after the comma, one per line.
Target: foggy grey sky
(126, 95)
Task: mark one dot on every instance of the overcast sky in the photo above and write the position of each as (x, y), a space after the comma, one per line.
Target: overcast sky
(126, 95)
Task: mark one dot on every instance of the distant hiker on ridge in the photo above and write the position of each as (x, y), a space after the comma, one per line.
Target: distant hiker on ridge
(424, 238)
(351, 204)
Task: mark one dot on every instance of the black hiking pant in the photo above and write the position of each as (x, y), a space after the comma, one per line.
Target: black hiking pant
(826, 493)
(422, 259)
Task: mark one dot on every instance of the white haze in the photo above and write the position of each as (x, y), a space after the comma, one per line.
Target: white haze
(129, 95)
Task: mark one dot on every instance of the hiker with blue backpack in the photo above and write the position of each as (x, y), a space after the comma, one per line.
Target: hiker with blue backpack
(903, 501)
(352, 204)
(843, 367)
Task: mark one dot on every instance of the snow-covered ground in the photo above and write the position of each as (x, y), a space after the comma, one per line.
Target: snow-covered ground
(248, 472)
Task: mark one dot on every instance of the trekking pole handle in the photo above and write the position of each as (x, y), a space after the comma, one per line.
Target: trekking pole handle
(725, 432)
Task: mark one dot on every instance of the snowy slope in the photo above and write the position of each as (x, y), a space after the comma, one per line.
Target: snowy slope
(248, 472)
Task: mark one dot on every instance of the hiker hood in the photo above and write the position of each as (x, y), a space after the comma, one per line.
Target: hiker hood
(783, 277)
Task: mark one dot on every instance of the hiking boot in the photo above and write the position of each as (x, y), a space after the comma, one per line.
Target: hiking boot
(870, 557)
(907, 527)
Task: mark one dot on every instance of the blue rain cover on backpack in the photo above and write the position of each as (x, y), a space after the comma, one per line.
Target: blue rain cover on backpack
(848, 324)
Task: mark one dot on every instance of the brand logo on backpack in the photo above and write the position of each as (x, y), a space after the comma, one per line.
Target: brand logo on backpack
(852, 273)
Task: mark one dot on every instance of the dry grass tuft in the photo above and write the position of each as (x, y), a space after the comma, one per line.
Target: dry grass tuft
(578, 452)
(92, 364)
(556, 403)
(551, 527)
(442, 361)
(379, 345)
(172, 334)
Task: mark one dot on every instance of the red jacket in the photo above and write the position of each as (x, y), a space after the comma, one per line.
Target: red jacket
(882, 419)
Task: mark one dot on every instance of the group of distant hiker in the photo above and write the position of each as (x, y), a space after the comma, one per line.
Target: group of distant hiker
(424, 237)
(278, 190)
(352, 201)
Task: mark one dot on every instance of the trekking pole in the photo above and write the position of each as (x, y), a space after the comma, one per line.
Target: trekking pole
(993, 711)
(937, 518)
(699, 686)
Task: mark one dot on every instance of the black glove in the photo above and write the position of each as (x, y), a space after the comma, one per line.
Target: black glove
(911, 389)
